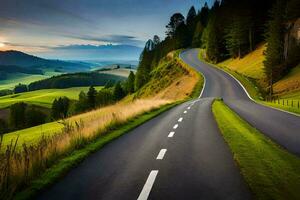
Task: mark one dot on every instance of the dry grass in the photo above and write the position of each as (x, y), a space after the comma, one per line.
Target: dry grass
(250, 65)
(289, 84)
(19, 166)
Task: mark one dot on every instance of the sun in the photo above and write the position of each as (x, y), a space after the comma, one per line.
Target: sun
(2, 44)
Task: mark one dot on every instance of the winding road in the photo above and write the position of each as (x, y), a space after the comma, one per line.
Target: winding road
(179, 154)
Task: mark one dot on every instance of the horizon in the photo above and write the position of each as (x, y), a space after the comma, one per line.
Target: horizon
(44, 28)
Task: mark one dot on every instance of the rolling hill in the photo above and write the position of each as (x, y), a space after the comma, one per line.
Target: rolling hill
(23, 60)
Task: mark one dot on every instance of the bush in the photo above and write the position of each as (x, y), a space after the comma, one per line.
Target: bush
(35, 117)
(20, 88)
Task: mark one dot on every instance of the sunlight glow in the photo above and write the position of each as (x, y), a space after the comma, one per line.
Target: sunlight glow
(2, 44)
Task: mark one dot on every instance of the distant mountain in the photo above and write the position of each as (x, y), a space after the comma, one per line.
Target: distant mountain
(95, 52)
(20, 59)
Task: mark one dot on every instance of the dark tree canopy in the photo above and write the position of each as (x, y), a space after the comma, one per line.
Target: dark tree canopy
(175, 21)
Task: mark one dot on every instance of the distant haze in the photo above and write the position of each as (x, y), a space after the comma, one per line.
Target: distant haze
(94, 52)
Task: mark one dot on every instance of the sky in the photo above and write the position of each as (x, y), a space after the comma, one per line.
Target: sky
(40, 26)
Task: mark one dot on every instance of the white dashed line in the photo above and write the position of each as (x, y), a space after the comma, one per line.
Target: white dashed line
(171, 134)
(189, 108)
(175, 126)
(161, 154)
(148, 185)
(180, 119)
(185, 112)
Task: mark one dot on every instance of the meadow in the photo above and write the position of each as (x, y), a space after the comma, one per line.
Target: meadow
(44, 97)
(16, 78)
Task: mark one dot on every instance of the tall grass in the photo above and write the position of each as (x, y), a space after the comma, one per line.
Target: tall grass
(19, 166)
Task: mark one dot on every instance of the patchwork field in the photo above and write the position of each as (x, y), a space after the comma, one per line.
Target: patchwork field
(42, 97)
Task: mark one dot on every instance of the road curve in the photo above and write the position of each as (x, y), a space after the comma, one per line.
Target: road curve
(281, 127)
(179, 154)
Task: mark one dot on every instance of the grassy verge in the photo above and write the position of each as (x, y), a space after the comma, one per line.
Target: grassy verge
(63, 166)
(270, 171)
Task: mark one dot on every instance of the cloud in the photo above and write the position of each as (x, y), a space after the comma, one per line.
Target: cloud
(113, 39)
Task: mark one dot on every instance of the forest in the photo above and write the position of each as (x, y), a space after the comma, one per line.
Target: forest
(231, 29)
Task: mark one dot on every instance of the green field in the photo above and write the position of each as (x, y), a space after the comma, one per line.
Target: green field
(42, 98)
(14, 79)
(270, 171)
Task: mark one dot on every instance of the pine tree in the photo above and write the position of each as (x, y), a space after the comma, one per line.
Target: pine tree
(130, 83)
(197, 35)
(237, 36)
(212, 48)
(175, 21)
(274, 38)
(191, 16)
(118, 92)
(91, 97)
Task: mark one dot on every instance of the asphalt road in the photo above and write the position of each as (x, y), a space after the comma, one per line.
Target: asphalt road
(281, 127)
(179, 154)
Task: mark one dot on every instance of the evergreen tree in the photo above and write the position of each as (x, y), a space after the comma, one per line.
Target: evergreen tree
(204, 14)
(130, 83)
(212, 48)
(35, 117)
(191, 16)
(20, 88)
(274, 38)
(156, 40)
(17, 117)
(176, 20)
(3, 126)
(237, 36)
(105, 97)
(91, 97)
(197, 35)
(118, 92)
(60, 108)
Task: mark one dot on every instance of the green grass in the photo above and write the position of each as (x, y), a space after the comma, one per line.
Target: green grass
(64, 165)
(270, 171)
(32, 135)
(14, 79)
(42, 98)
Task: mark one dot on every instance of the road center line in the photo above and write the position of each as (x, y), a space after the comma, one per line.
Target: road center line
(148, 185)
(185, 112)
(161, 154)
(175, 126)
(171, 134)
(189, 108)
(180, 119)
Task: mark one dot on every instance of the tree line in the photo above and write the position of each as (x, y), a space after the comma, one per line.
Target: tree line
(229, 29)
(22, 115)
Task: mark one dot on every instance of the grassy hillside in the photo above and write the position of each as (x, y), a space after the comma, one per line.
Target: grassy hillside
(251, 65)
(13, 79)
(172, 79)
(176, 82)
(289, 86)
(270, 171)
(42, 98)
